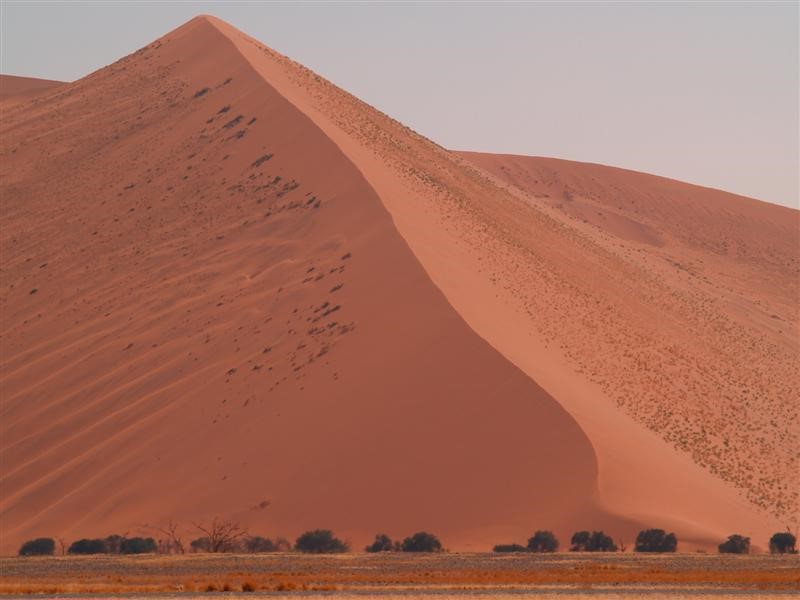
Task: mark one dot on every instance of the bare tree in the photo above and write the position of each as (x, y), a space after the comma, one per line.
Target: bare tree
(221, 534)
(174, 543)
(621, 545)
(62, 546)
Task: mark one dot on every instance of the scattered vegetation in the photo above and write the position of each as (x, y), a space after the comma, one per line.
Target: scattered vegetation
(320, 541)
(655, 540)
(422, 541)
(172, 542)
(509, 548)
(38, 547)
(200, 544)
(783, 543)
(228, 536)
(735, 544)
(219, 536)
(596, 541)
(202, 92)
(257, 544)
(543, 541)
(382, 543)
(88, 546)
(138, 545)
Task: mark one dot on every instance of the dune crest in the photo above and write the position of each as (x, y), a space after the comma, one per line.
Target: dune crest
(231, 288)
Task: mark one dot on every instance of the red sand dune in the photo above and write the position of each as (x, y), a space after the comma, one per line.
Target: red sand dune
(17, 88)
(230, 288)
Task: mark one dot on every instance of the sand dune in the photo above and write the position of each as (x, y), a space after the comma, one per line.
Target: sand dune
(230, 288)
(15, 89)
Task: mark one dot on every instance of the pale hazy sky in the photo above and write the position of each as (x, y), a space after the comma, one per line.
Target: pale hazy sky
(702, 92)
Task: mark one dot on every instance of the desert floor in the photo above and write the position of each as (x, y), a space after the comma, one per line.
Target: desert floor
(451, 575)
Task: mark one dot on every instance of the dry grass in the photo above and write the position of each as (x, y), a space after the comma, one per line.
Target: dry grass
(290, 572)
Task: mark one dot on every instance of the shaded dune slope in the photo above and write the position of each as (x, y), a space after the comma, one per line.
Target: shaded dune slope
(207, 310)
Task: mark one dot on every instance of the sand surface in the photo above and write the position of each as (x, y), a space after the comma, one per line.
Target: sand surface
(230, 288)
(15, 89)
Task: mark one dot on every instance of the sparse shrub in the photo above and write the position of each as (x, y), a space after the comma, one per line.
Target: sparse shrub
(38, 547)
(248, 586)
(88, 546)
(282, 544)
(422, 541)
(543, 541)
(257, 544)
(509, 548)
(735, 544)
(382, 543)
(221, 535)
(173, 541)
(596, 541)
(201, 544)
(113, 543)
(320, 541)
(655, 540)
(138, 545)
(783, 543)
(579, 541)
(202, 92)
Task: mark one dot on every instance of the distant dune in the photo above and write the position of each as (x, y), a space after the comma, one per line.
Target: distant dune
(23, 88)
(230, 288)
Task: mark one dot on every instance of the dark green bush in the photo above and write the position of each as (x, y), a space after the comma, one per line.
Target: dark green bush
(38, 547)
(543, 541)
(382, 543)
(596, 541)
(320, 541)
(88, 546)
(257, 544)
(201, 544)
(509, 548)
(137, 545)
(783, 543)
(655, 540)
(113, 543)
(422, 541)
(735, 544)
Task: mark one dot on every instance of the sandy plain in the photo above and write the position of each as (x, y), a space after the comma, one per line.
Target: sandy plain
(398, 575)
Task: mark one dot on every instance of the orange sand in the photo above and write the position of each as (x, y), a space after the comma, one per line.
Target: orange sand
(230, 288)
